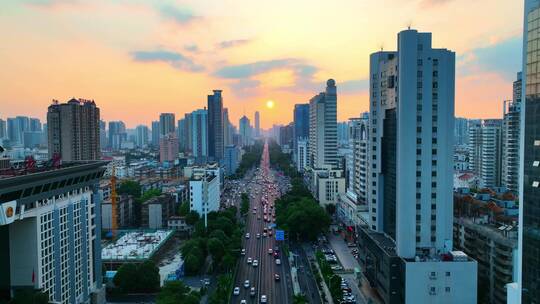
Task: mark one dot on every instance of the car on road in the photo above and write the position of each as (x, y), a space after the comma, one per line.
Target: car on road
(236, 291)
(276, 277)
(252, 291)
(249, 260)
(270, 250)
(263, 299)
(243, 251)
(278, 262)
(247, 235)
(255, 263)
(246, 284)
(258, 235)
(264, 234)
(243, 302)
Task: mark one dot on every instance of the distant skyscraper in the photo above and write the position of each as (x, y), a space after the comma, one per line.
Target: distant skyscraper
(343, 133)
(181, 134)
(35, 125)
(3, 129)
(322, 144)
(73, 130)
(461, 129)
(257, 124)
(530, 152)
(117, 134)
(359, 141)
(301, 126)
(474, 135)
(410, 180)
(227, 132)
(231, 159)
(286, 135)
(166, 124)
(141, 136)
(245, 131)
(199, 135)
(103, 143)
(168, 148)
(215, 126)
(188, 133)
(155, 133)
(16, 128)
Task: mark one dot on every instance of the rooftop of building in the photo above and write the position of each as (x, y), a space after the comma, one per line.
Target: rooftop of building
(135, 245)
(502, 234)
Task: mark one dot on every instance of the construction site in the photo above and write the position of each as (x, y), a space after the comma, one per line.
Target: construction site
(134, 247)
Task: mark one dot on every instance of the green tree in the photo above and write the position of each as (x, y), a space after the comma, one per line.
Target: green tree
(148, 276)
(193, 264)
(126, 278)
(174, 292)
(216, 249)
(130, 187)
(183, 209)
(299, 299)
(192, 217)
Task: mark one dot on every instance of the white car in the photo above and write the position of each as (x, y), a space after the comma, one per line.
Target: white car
(278, 262)
(263, 299)
(243, 251)
(258, 235)
(255, 263)
(243, 302)
(246, 284)
(249, 260)
(247, 235)
(236, 291)
(252, 291)
(270, 251)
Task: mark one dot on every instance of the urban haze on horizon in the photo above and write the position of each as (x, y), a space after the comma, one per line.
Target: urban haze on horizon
(357, 152)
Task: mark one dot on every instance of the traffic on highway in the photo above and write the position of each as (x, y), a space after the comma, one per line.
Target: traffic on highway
(263, 274)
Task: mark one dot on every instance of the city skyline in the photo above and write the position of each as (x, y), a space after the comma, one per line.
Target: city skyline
(185, 49)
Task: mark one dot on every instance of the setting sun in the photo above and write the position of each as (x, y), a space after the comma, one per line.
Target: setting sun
(270, 104)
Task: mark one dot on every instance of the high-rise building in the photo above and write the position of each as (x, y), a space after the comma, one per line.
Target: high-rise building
(166, 124)
(244, 128)
(490, 164)
(103, 143)
(181, 134)
(141, 136)
(529, 241)
(227, 131)
(301, 154)
(3, 129)
(50, 233)
(199, 135)
(16, 128)
(215, 126)
(322, 144)
(343, 133)
(117, 134)
(188, 134)
(257, 124)
(410, 180)
(359, 141)
(510, 139)
(461, 130)
(301, 126)
(168, 148)
(73, 130)
(286, 136)
(485, 151)
(474, 145)
(155, 133)
(231, 159)
(35, 125)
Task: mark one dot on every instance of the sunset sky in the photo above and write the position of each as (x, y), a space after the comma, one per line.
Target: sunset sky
(138, 58)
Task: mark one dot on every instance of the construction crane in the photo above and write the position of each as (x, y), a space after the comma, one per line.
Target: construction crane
(113, 203)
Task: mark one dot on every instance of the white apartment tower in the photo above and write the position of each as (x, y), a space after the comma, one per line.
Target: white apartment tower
(411, 172)
(322, 147)
(301, 153)
(490, 163)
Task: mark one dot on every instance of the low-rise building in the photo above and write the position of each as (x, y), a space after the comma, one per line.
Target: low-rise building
(178, 223)
(204, 193)
(156, 211)
(326, 184)
(125, 213)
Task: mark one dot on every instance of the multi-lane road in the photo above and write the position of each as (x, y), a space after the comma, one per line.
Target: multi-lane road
(263, 190)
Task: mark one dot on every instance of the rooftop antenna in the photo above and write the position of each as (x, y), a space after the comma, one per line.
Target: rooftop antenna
(409, 25)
